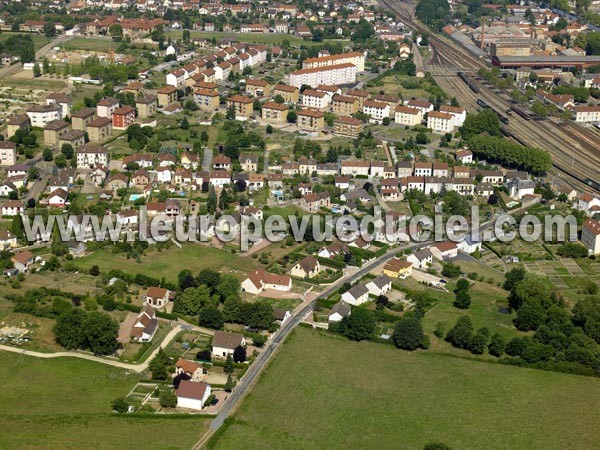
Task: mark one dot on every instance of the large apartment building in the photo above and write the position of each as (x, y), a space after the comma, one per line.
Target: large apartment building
(334, 74)
(357, 59)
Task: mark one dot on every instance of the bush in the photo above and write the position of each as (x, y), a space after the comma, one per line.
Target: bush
(408, 334)
(204, 355)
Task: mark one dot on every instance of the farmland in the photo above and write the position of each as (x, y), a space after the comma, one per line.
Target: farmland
(65, 403)
(343, 394)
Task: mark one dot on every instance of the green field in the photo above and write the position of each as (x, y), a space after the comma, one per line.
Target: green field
(65, 403)
(168, 263)
(326, 392)
(257, 38)
(98, 45)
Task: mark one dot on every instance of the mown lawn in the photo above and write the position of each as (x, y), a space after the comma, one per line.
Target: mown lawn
(167, 263)
(257, 38)
(326, 392)
(65, 403)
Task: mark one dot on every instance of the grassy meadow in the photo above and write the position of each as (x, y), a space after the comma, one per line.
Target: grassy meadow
(65, 403)
(323, 391)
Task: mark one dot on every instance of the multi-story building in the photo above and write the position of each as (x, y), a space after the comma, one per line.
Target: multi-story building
(257, 88)
(357, 59)
(377, 111)
(586, 113)
(92, 156)
(274, 113)
(167, 95)
(123, 117)
(290, 94)
(17, 122)
(405, 115)
(81, 118)
(99, 129)
(423, 105)
(459, 114)
(8, 153)
(335, 74)
(440, 122)
(76, 138)
(106, 107)
(347, 126)
(243, 106)
(361, 96)
(63, 100)
(146, 105)
(344, 105)
(315, 99)
(40, 115)
(206, 99)
(54, 130)
(311, 119)
(590, 236)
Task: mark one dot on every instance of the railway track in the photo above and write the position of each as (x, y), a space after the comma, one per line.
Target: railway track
(575, 152)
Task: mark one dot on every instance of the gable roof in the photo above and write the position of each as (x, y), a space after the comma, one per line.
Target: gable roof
(226, 340)
(191, 389)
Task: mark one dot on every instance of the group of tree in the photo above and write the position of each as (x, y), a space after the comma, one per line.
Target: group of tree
(462, 297)
(20, 45)
(463, 336)
(434, 13)
(96, 331)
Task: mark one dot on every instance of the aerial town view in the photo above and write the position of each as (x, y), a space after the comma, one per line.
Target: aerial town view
(303, 224)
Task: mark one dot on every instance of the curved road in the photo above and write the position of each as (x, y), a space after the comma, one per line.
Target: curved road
(111, 362)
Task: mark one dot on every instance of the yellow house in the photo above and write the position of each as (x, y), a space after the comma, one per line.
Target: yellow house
(274, 113)
(311, 119)
(396, 268)
(206, 99)
(290, 94)
(243, 106)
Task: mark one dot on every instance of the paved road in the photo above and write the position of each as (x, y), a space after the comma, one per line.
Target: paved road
(109, 361)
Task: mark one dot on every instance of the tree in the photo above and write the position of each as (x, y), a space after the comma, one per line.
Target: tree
(47, 154)
(477, 343)
(497, 345)
(463, 299)
(292, 117)
(451, 270)
(408, 334)
(530, 315)
(36, 70)
(480, 122)
(209, 277)
(49, 29)
(231, 309)
(269, 129)
(211, 203)
(68, 329)
(228, 368)
(229, 384)
(177, 379)
(191, 300)
(363, 31)
(539, 109)
(94, 270)
(531, 288)
(512, 277)
(460, 335)
(120, 405)
(358, 326)
(228, 286)
(239, 354)
(210, 317)
(167, 398)
(101, 333)
(158, 365)
(185, 124)
(17, 228)
(436, 446)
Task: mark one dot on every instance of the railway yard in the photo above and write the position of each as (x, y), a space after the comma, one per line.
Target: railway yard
(575, 150)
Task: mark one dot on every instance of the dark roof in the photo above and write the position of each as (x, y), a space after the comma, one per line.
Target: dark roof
(381, 281)
(342, 308)
(227, 340)
(358, 290)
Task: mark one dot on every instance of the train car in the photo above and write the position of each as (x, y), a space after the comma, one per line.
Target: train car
(482, 103)
(468, 82)
(502, 118)
(593, 184)
(520, 112)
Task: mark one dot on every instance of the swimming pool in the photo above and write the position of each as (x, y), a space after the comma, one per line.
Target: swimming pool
(134, 197)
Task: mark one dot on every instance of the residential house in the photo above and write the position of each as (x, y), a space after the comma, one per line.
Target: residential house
(62, 100)
(344, 105)
(192, 369)
(260, 280)
(7, 240)
(257, 88)
(224, 344)
(157, 297)
(424, 106)
(12, 208)
(145, 326)
(397, 268)
(380, 285)
(307, 267)
(123, 117)
(17, 122)
(206, 99)
(91, 156)
(242, 106)
(290, 94)
(377, 111)
(356, 295)
(459, 114)
(338, 311)
(347, 126)
(166, 95)
(444, 250)
(192, 395)
(464, 156)
(41, 115)
(315, 99)
(440, 122)
(22, 260)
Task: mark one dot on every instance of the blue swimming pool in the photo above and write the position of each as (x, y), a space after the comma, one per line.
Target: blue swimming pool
(134, 197)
